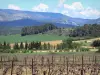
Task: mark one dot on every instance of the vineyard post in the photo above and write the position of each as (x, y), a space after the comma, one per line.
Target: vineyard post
(67, 64)
(82, 66)
(48, 66)
(42, 59)
(73, 58)
(73, 63)
(32, 68)
(26, 65)
(89, 59)
(95, 60)
(12, 65)
(52, 61)
(42, 62)
(64, 61)
(1, 63)
(60, 59)
(44, 72)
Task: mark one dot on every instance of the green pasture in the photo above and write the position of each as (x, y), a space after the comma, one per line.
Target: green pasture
(30, 38)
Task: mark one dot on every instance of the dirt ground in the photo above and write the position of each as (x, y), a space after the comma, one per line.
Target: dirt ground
(50, 64)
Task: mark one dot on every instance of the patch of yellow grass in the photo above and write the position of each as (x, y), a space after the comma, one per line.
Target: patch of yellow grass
(54, 43)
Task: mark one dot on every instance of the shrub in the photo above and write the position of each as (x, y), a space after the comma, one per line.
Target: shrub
(98, 50)
(84, 49)
(96, 43)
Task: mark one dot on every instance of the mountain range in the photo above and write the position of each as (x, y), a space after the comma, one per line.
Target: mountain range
(20, 18)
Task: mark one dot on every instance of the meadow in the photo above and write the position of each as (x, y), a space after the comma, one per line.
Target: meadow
(45, 38)
(30, 38)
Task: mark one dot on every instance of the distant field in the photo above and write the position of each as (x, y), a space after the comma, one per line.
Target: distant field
(87, 42)
(30, 38)
(21, 55)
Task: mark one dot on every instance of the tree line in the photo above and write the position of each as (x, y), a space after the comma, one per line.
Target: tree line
(66, 45)
(5, 47)
(33, 46)
(86, 30)
(29, 30)
(26, 46)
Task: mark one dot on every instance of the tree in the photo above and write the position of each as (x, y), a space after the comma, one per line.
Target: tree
(30, 46)
(1, 46)
(33, 45)
(59, 46)
(26, 45)
(21, 45)
(48, 45)
(16, 46)
(96, 43)
(4, 45)
(39, 45)
(45, 46)
(67, 43)
(8, 46)
(54, 47)
(76, 46)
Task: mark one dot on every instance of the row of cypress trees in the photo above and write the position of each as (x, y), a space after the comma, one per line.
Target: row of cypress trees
(27, 46)
(33, 46)
(5, 45)
(66, 44)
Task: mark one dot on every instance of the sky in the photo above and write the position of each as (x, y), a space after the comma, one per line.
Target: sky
(88, 9)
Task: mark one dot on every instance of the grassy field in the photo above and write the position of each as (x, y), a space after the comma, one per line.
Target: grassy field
(19, 55)
(30, 38)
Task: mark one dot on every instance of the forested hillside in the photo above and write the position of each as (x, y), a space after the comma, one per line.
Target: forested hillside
(59, 31)
(91, 30)
(29, 30)
(86, 30)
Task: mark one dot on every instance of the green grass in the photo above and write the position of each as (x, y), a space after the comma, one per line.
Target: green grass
(30, 38)
(49, 53)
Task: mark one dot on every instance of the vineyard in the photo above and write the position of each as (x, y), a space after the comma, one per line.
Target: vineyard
(50, 65)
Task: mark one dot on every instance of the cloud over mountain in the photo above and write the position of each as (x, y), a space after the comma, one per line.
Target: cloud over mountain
(41, 7)
(14, 7)
(87, 9)
(78, 10)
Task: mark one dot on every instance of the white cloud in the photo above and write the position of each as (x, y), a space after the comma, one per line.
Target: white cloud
(74, 6)
(65, 12)
(61, 2)
(89, 12)
(12, 6)
(56, 11)
(40, 8)
(78, 6)
(72, 13)
(77, 10)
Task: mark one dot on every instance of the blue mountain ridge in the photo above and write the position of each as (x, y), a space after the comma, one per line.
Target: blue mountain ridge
(10, 17)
